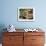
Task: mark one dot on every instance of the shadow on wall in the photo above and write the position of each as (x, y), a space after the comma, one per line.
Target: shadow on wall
(2, 26)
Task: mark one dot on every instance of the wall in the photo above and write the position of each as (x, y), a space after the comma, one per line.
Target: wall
(9, 13)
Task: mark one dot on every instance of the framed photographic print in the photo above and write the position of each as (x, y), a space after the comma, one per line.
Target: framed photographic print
(26, 14)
